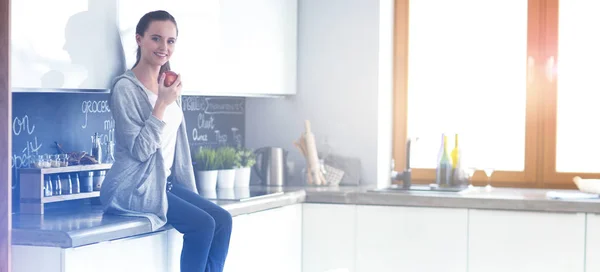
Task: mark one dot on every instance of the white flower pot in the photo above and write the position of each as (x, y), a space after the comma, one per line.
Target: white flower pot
(226, 194)
(206, 180)
(226, 178)
(241, 192)
(242, 177)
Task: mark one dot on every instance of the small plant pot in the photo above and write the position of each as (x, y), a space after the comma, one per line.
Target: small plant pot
(206, 180)
(241, 192)
(226, 178)
(242, 177)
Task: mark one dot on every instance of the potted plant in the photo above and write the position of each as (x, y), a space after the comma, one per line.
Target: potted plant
(245, 160)
(206, 169)
(227, 158)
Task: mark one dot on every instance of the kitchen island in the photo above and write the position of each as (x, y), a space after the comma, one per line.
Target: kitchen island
(326, 228)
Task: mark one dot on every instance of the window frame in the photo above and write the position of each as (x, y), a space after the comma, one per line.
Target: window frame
(549, 175)
(537, 104)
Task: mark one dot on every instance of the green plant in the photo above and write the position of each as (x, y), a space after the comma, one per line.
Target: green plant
(245, 158)
(227, 157)
(206, 160)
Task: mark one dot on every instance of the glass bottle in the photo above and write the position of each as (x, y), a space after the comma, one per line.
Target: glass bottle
(48, 188)
(75, 183)
(444, 165)
(67, 188)
(455, 155)
(56, 184)
(96, 148)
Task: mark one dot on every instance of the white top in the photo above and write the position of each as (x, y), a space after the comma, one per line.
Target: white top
(173, 117)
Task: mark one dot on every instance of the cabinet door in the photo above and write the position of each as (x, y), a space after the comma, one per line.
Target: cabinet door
(526, 241)
(146, 253)
(266, 241)
(47, 259)
(411, 239)
(64, 44)
(240, 251)
(258, 46)
(592, 245)
(174, 246)
(328, 238)
(197, 46)
(280, 230)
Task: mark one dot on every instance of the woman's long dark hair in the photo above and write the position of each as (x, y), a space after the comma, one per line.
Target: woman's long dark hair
(142, 26)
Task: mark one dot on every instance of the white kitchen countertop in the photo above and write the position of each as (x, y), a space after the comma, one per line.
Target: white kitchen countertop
(77, 228)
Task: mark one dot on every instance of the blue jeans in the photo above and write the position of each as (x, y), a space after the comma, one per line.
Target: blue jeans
(206, 229)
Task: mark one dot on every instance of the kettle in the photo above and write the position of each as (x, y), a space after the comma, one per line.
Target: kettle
(271, 165)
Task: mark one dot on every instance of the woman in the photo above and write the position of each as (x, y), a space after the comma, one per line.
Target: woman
(152, 175)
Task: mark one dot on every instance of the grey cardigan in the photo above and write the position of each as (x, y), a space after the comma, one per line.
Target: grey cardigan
(136, 183)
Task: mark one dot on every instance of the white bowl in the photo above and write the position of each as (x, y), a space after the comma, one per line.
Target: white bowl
(590, 186)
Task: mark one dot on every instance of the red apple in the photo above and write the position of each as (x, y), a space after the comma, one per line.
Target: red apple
(170, 77)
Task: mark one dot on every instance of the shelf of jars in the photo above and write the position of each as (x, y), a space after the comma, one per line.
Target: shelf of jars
(50, 179)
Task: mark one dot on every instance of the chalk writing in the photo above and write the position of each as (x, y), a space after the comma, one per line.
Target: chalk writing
(197, 137)
(109, 124)
(204, 123)
(194, 103)
(208, 115)
(91, 106)
(24, 159)
(236, 137)
(221, 138)
(224, 106)
(22, 124)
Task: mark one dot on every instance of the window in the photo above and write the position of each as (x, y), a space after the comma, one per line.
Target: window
(572, 91)
(488, 71)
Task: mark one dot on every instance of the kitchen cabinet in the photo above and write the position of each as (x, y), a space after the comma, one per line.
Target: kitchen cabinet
(328, 238)
(264, 241)
(592, 244)
(140, 253)
(64, 44)
(227, 47)
(526, 241)
(258, 47)
(224, 48)
(240, 254)
(411, 239)
(196, 50)
(197, 45)
(269, 241)
(145, 253)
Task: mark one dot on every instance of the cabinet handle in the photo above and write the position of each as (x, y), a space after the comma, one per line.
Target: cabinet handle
(550, 62)
(530, 69)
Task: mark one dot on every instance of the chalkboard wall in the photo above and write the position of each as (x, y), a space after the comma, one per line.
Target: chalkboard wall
(41, 119)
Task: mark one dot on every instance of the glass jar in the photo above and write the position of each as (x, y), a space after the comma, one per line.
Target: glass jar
(75, 183)
(36, 161)
(44, 161)
(86, 182)
(98, 179)
(48, 188)
(110, 152)
(65, 181)
(64, 160)
(55, 161)
(57, 185)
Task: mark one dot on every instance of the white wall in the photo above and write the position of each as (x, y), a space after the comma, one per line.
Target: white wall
(344, 86)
